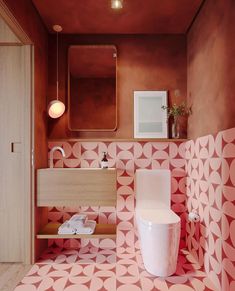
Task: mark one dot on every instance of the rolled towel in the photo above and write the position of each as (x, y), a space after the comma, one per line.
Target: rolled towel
(78, 219)
(66, 228)
(87, 228)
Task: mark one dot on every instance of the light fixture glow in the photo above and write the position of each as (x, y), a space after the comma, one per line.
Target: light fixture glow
(56, 108)
(117, 4)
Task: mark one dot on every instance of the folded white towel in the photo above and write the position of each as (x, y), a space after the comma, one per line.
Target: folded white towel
(77, 219)
(87, 228)
(66, 228)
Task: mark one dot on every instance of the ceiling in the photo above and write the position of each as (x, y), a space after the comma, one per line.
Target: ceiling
(136, 17)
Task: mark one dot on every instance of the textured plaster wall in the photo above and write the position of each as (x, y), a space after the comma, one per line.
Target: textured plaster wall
(144, 62)
(211, 69)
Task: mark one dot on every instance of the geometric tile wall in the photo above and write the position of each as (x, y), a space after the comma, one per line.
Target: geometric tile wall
(126, 157)
(203, 179)
(205, 165)
(210, 168)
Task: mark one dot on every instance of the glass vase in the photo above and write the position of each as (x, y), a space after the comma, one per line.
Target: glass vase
(175, 130)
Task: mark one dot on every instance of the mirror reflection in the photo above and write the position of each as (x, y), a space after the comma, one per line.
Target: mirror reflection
(92, 88)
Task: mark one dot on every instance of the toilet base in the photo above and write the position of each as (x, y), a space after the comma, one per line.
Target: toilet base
(159, 248)
(159, 272)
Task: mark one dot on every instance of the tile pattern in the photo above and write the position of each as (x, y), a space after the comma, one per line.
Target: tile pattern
(126, 157)
(210, 167)
(83, 270)
(108, 264)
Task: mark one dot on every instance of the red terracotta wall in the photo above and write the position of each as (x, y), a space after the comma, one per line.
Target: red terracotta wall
(144, 63)
(211, 69)
(30, 21)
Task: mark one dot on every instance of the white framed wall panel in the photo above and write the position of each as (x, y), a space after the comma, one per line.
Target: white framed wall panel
(150, 120)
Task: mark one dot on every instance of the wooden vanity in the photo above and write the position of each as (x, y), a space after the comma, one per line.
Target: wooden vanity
(76, 187)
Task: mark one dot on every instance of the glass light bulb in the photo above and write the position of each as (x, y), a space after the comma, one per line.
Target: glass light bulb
(56, 108)
(116, 4)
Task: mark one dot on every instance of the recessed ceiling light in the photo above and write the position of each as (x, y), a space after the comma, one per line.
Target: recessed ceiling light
(116, 4)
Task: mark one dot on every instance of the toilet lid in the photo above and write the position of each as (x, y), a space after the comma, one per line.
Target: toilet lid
(157, 216)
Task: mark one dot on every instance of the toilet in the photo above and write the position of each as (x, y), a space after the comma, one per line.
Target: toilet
(157, 224)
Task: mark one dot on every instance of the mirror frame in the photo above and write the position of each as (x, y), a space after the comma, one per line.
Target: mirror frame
(69, 97)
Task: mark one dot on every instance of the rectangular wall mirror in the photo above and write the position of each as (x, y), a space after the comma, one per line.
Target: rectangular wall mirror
(92, 88)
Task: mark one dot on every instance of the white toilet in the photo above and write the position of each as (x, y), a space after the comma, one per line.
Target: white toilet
(158, 225)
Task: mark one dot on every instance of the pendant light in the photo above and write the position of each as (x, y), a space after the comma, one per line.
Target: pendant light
(56, 108)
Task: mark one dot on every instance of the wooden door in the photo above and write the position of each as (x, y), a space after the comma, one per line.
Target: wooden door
(15, 154)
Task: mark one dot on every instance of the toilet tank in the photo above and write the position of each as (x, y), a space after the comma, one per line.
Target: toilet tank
(153, 188)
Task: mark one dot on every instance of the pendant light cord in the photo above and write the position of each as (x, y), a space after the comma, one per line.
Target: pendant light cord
(57, 66)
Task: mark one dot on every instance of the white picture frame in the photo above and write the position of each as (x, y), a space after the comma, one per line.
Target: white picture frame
(150, 120)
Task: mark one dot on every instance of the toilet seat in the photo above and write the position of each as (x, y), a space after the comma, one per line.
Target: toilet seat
(158, 217)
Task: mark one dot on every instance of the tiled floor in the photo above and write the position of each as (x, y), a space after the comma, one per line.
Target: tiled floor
(97, 269)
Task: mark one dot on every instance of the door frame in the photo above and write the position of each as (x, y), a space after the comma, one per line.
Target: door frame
(28, 151)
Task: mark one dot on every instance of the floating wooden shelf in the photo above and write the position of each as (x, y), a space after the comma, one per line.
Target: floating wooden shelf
(118, 139)
(50, 231)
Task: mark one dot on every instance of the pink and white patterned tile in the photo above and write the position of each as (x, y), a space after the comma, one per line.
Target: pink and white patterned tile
(61, 270)
(126, 157)
(210, 191)
(209, 177)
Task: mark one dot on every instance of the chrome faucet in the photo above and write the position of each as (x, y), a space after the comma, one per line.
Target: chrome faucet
(52, 152)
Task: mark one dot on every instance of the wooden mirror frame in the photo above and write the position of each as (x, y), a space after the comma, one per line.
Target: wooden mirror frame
(69, 95)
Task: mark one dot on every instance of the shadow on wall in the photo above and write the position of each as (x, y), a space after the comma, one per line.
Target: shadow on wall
(178, 197)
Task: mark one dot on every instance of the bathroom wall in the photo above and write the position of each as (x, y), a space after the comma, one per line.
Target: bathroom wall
(211, 69)
(145, 62)
(28, 18)
(126, 157)
(210, 159)
(210, 168)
